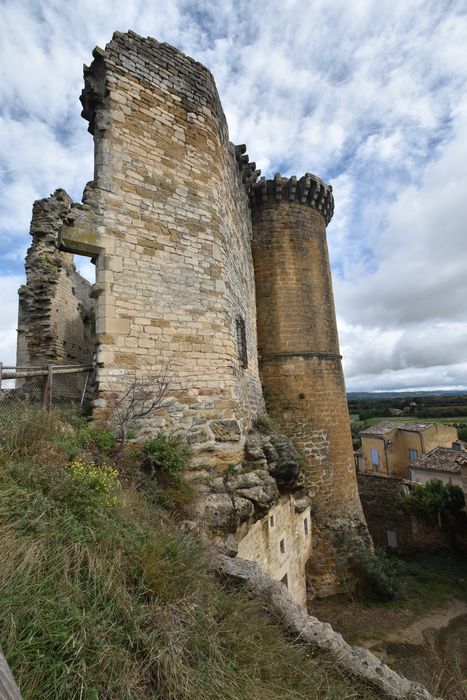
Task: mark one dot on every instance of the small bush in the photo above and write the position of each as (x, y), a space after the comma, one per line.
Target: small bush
(86, 437)
(167, 453)
(93, 486)
(265, 424)
(380, 574)
(434, 500)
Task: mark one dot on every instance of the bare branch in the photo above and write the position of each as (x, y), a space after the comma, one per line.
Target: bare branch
(140, 398)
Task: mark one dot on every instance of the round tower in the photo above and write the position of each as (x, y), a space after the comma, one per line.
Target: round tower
(300, 362)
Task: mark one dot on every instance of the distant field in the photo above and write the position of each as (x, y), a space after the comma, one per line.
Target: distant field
(414, 419)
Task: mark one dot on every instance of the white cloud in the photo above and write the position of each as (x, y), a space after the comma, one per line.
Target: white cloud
(368, 93)
(8, 294)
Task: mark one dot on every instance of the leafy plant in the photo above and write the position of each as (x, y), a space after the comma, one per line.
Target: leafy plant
(167, 453)
(93, 485)
(380, 572)
(435, 501)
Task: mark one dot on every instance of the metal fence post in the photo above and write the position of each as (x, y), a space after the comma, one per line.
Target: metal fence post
(47, 390)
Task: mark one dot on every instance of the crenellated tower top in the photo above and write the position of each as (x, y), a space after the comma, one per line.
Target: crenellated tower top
(309, 189)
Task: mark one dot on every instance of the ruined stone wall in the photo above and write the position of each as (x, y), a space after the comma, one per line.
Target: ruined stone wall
(56, 312)
(167, 216)
(300, 362)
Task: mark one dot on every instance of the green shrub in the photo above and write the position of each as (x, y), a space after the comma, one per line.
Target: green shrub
(380, 574)
(92, 486)
(266, 425)
(434, 500)
(95, 438)
(85, 437)
(166, 453)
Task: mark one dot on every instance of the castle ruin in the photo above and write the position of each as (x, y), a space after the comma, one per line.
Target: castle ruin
(221, 276)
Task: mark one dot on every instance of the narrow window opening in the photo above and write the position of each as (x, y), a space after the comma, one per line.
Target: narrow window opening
(271, 521)
(392, 538)
(285, 580)
(413, 454)
(241, 342)
(282, 546)
(374, 457)
(305, 526)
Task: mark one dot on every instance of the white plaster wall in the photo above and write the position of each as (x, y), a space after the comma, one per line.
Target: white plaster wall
(421, 477)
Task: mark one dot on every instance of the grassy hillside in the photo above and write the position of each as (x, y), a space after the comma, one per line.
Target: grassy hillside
(102, 597)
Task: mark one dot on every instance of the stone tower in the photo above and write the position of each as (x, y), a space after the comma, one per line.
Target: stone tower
(167, 220)
(299, 357)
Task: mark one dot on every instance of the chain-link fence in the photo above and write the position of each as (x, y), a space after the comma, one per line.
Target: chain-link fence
(51, 387)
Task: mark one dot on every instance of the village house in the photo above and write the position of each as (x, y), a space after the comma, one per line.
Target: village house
(389, 448)
(442, 463)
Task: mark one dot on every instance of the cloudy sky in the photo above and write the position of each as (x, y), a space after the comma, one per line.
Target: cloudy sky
(368, 94)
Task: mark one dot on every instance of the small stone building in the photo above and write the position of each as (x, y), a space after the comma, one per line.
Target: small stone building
(219, 280)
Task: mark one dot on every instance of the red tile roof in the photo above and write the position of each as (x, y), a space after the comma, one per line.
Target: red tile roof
(441, 459)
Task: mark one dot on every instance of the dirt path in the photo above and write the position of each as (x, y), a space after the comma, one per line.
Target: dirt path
(414, 633)
(436, 621)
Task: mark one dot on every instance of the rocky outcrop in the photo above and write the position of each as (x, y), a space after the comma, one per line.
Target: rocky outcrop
(245, 492)
(308, 630)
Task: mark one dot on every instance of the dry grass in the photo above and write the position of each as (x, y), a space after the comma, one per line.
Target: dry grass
(113, 602)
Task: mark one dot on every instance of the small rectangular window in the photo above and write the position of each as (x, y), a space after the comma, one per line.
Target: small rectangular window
(374, 457)
(413, 454)
(241, 342)
(305, 526)
(271, 521)
(282, 546)
(392, 538)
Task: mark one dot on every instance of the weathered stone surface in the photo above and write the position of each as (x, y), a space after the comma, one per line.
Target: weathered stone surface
(226, 430)
(254, 447)
(197, 437)
(56, 322)
(308, 630)
(297, 332)
(302, 503)
(285, 467)
(223, 512)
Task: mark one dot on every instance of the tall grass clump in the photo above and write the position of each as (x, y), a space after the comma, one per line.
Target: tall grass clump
(102, 597)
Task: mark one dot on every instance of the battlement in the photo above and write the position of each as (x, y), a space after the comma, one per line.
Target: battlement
(309, 189)
(247, 170)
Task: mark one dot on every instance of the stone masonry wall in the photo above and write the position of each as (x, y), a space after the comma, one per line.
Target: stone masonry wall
(281, 544)
(167, 216)
(56, 312)
(379, 496)
(300, 362)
